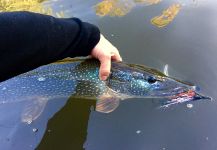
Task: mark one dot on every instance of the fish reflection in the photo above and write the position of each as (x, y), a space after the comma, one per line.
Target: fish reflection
(69, 125)
(167, 16)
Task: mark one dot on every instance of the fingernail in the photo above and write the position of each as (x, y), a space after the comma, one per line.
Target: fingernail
(103, 77)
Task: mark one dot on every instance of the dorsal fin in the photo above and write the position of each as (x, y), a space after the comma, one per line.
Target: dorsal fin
(68, 60)
(166, 70)
(147, 69)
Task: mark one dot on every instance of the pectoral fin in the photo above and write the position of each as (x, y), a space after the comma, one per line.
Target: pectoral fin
(107, 104)
(33, 109)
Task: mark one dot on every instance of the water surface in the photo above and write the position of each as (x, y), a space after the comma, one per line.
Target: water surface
(187, 43)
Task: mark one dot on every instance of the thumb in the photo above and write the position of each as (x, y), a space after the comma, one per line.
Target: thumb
(105, 67)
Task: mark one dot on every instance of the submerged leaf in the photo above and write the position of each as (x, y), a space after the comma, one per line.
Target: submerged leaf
(119, 7)
(28, 5)
(167, 16)
(113, 8)
(23, 5)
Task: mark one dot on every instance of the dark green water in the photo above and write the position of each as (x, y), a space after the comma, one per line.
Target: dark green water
(188, 44)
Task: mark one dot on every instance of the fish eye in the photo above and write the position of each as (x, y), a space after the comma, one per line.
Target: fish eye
(151, 79)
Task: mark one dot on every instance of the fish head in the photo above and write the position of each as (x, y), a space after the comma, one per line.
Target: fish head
(141, 81)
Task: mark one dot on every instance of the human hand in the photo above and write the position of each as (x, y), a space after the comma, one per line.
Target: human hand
(104, 51)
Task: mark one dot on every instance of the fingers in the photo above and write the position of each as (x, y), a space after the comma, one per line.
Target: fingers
(115, 55)
(105, 67)
(105, 51)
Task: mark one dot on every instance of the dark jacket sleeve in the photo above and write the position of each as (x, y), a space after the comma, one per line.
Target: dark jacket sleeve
(29, 40)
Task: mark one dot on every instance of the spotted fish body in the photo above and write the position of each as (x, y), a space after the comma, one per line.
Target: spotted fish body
(80, 78)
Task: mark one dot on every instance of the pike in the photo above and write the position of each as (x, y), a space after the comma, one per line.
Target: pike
(79, 78)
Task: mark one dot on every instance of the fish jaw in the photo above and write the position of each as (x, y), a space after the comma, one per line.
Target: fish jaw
(185, 97)
(198, 96)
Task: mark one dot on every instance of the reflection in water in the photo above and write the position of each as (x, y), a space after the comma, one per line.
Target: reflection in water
(167, 16)
(71, 127)
(119, 7)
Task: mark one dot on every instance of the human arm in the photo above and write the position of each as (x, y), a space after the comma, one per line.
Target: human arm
(29, 40)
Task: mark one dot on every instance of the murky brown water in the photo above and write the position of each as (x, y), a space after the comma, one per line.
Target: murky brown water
(185, 39)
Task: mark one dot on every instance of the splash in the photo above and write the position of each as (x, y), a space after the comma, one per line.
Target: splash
(167, 16)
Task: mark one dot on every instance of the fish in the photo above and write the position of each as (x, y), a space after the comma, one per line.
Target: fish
(79, 77)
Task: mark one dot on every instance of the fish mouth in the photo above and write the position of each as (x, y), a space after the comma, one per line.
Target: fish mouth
(189, 95)
(184, 97)
(198, 96)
